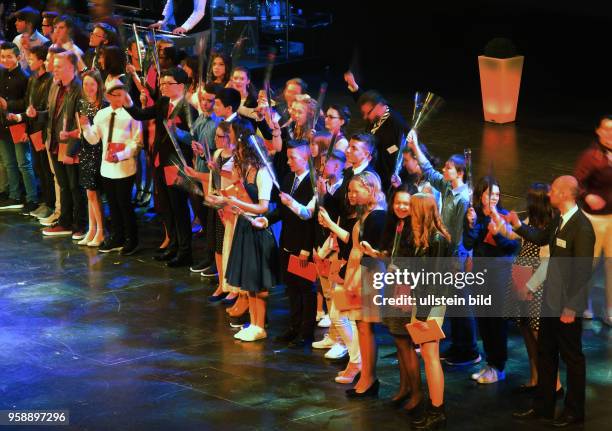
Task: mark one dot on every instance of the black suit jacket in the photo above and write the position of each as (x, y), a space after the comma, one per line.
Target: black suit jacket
(296, 234)
(570, 264)
(163, 150)
(68, 110)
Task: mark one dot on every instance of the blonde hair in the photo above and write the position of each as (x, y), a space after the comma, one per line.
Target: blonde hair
(425, 219)
(371, 181)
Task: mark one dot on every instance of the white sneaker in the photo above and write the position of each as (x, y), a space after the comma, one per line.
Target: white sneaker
(255, 334)
(325, 322)
(325, 343)
(477, 375)
(238, 335)
(492, 375)
(338, 351)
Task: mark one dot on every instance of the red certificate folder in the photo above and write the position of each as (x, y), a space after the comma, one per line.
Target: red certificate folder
(63, 157)
(520, 277)
(18, 133)
(112, 149)
(420, 336)
(171, 174)
(308, 273)
(37, 141)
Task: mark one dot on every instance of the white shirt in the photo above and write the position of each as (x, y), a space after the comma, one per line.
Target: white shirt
(359, 169)
(199, 7)
(71, 46)
(299, 181)
(36, 39)
(126, 130)
(568, 215)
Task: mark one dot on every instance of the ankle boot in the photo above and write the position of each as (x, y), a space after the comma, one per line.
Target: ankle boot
(435, 418)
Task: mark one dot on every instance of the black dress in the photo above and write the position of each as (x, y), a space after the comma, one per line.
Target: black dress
(253, 260)
(90, 156)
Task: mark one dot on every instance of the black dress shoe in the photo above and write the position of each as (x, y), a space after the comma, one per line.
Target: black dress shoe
(566, 419)
(229, 302)
(217, 298)
(161, 250)
(285, 337)
(130, 248)
(300, 343)
(396, 403)
(179, 261)
(165, 256)
(531, 415)
(371, 392)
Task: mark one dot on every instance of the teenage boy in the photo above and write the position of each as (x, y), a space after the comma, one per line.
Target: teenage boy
(16, 155)
(121, 141)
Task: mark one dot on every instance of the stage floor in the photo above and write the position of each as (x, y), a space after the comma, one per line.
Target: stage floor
(126, 344)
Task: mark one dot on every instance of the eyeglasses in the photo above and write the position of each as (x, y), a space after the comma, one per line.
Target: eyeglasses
(162, 84)
(367, 114)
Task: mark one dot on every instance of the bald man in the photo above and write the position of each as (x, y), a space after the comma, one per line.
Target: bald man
(571, 239)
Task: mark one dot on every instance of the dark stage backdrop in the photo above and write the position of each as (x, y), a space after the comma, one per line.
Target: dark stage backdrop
(433, 45)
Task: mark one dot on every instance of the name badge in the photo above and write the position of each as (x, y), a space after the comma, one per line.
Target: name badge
(392, 149)
(561, 243)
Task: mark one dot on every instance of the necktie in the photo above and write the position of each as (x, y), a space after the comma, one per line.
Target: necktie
(559, 226)
(170, 109)
(296, 183)
(111, 127)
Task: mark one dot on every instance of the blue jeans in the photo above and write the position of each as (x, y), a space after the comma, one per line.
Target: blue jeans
(17, 159)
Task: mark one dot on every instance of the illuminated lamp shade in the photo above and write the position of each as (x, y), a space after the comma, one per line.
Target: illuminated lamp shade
(500, 81)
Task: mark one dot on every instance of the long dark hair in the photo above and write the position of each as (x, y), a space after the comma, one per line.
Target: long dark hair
(228, 67)
(114, 60)
(391, 222)
(246, 156)
(539, 210)
(95, 75)
(251, 100)
(481, 188)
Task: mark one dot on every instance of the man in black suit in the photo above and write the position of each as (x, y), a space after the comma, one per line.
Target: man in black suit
(62, 128)
(297, 238)
(384, 122)
(172, 109)
(571, 239)
(359, 154)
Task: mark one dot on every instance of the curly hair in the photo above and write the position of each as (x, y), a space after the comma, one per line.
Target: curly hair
(425, 219)
(246, 155)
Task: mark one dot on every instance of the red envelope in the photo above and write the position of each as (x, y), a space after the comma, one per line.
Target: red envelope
(18, 133)
(294, 267)
(171, 174)
(520, 277)
(112, 149)
(37, 141)
(420, 336)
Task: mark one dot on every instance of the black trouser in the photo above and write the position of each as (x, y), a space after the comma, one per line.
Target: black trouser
(554, 338)
(72, 196)
(201, 212)
(42, 168)
(173, 203)
(494, 334)
(123, 219)
(302, 295)
(211, 236)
